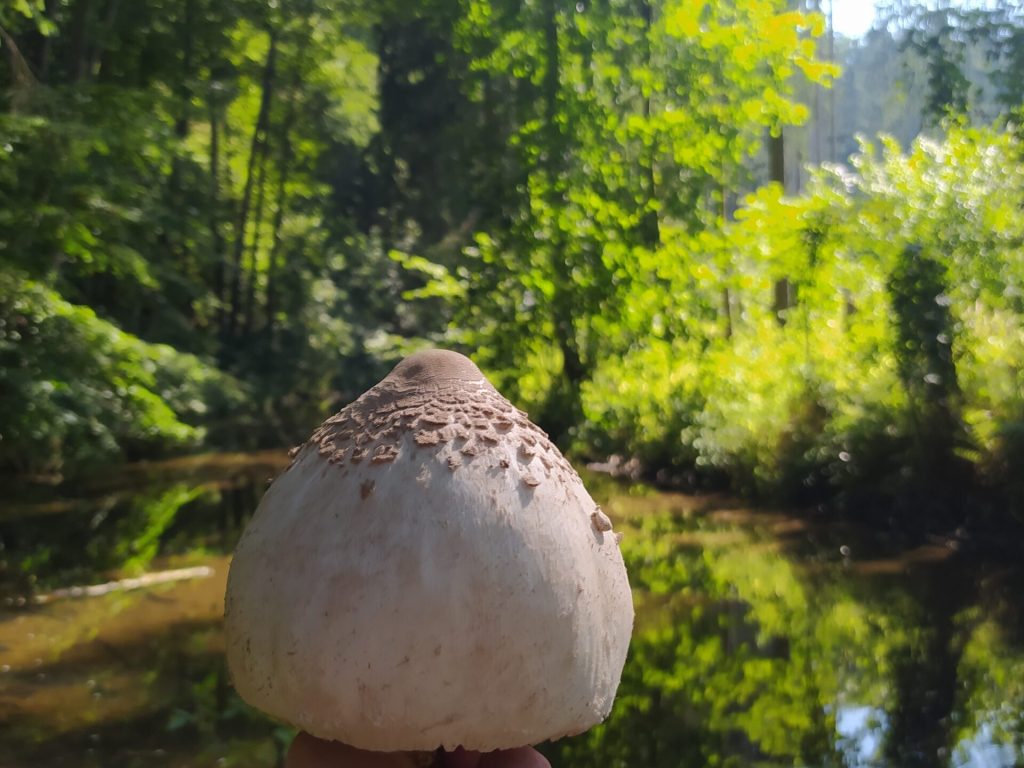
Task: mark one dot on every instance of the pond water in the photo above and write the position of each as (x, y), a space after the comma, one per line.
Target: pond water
(762, 638)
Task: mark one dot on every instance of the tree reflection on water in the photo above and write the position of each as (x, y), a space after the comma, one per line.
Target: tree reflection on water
(757, 642)
(746, 655)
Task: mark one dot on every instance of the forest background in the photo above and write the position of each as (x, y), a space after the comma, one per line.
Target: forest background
(713, 237)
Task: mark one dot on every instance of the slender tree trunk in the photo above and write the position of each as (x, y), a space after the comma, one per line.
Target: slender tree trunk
(816, 149)
(777, 159)
(21, 74)
(384, 188)
(727, 311)
(727, 299)
(565, 328)
(174, 238)
(255, 149)
(832, 153)
(217, 240)
(651, 226)
(251, 275)
(777, 165)
(280, 205)
(46, 44)
(552, 78)
(185, 85)
(565, 411)
(106, 31)
(284, 165)
(493, 134)
(79, 36)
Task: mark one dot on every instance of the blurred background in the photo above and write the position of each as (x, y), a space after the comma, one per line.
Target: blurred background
(757, 250)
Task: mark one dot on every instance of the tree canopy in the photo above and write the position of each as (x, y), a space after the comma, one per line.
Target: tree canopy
(651, 221)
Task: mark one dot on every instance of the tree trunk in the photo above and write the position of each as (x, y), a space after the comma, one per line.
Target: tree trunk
(921, 713)
(216, 238)
(816, 148)
(283, 170)
(650, 225)
(106, 31)
(79, 35)
(257, 220)
(552, 77)
(727, 297)
(832, 154)
(21, 74)
(783, 297)
(46, 44)
(175, 237)
(777, 159)
(564, 407)
(284, 164)
(255, 148)
(185, 85)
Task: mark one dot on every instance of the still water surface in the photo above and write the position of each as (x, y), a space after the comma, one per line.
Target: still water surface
(762, 638)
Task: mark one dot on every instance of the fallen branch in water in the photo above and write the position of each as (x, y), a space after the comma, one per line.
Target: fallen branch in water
(124, 585)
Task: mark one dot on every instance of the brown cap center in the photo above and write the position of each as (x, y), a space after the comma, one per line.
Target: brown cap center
(433, 366)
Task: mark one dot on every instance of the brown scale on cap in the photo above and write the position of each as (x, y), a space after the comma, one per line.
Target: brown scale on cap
(439, 397)
(384, 453)
(427, 438)
(600, 520)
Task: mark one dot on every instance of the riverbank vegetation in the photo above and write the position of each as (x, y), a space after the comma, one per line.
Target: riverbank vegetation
(650, 222)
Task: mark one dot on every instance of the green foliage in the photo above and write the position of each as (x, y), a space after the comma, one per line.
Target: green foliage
(162, 179)
(78, 390)
(139, 534)
(619, 145)
(891, 364)
(33, 10)
(292, 195)
(993, 689)
(861, 383)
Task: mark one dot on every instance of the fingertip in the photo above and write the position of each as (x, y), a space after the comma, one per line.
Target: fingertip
(522, 757)
(460, 758)
(309, 752)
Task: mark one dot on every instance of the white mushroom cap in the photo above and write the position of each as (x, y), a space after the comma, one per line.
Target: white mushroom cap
(430, 571)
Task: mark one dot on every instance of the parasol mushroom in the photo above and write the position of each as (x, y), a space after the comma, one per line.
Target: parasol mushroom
(429, 572)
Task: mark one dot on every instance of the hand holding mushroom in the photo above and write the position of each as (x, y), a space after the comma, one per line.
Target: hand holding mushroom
(429, 572)
(309, 752)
